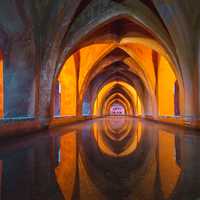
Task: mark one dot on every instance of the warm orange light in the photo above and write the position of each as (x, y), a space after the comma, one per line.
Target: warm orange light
(89, 56)
(169, 169)
(105, 149)
(166, 83)
(66, 170)
(112, 99)
(67, 79)
(1, 85)
(99, 100)
(143, 55)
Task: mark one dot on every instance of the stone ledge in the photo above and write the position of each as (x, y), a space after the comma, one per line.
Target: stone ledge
(62, 121)
(15, 127)
(185, 122)
(23, 126)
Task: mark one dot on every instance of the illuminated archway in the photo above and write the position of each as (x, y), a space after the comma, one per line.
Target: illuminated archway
(71, 86)
(166, 89)
(117, 109)
(122, 97)
(99, 98)
(152, 76)
(66, 89)
(120, 100)
(93, 50)
(169, 169)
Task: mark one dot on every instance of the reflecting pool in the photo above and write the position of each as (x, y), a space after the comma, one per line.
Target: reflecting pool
(116, 158)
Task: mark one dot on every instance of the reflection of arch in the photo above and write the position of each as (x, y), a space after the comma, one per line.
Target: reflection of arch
(68, 153)
(137, 162)
(169, 162)
(1, 86)
(117, 125)
(106, 139)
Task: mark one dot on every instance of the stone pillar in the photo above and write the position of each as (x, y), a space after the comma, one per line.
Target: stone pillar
(77, 67)
(57, 99)
(176, 99)
(19, 76)
(86, 107)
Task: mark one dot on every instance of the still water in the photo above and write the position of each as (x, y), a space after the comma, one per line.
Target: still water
(116, 158)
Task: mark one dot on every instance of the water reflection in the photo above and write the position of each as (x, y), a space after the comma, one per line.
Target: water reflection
(116, 158)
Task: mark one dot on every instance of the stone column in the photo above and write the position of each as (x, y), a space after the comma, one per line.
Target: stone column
(19, 79)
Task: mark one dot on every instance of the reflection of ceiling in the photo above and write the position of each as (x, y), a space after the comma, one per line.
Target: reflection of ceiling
(116, 141)
(104, 164)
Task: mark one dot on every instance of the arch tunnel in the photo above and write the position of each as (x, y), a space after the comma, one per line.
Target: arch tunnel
(99, 99)
(60, 70)
(132, 64)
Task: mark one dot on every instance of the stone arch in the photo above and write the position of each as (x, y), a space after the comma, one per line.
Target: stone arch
(119, 103)
(123, 93)
(99, 64)
(134, 93)
(120, 11)
(148, 97)
(129, 108)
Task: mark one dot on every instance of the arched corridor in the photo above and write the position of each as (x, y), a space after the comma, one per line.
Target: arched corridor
(71, 61)
(59, 70)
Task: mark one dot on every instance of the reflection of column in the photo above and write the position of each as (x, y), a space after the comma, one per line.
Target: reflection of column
(17, 179)
(76, 190)
(168, 167)
(67, 168)
(1, 174)
(190, 181)
(55, 151)
(178, 149)
(77, 68)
